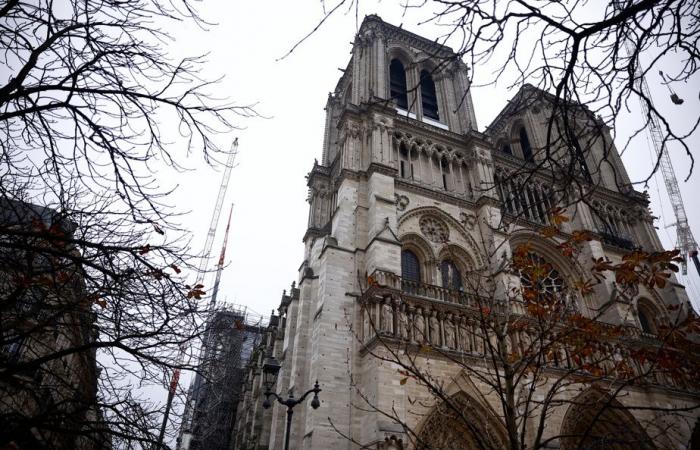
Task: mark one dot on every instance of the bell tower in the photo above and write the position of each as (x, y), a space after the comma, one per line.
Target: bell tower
(400, 134)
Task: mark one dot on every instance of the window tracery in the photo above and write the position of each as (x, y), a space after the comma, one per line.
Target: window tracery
(532, 200)
(434, 229)
(541, 276)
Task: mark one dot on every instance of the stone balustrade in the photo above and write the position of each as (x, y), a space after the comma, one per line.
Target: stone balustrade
(452, 322)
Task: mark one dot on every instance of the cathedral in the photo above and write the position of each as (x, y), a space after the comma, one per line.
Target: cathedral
(408, 202)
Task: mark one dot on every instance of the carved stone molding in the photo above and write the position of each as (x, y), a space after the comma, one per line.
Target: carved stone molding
(434, 229)
(468, 220)
(401, 202)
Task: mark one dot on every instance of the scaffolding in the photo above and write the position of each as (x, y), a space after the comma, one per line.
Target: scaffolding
(231, 336)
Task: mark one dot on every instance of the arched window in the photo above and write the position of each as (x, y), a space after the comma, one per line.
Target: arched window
(410, 266)
(645, 313)
(445, 166)
(406, 158)
(541, 276)
(397, 78)
(451, 278)
(428, 96)
(645, 322)
(505, 148)
(525, 145)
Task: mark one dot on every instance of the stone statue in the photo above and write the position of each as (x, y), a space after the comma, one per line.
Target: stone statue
(387, 317)
(404, 327)
(449, 332)
(434, 329)
(419, 327)
(464, 335)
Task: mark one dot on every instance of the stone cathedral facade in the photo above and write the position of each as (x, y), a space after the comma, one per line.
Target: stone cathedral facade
(410, 195)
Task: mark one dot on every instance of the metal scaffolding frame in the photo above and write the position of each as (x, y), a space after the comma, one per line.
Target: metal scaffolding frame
(231, 336)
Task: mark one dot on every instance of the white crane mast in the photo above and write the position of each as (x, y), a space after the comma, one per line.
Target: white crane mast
(217, 211)
(685, 241)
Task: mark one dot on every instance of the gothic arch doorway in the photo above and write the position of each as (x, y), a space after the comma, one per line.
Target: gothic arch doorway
(596, 422)
(463, 424)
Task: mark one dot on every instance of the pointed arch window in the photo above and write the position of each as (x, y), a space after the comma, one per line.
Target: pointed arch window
(410, 266)
(646, 317)
(397, 82)
(428, 96)
(645, 322)
(525, 145)
(451, 278)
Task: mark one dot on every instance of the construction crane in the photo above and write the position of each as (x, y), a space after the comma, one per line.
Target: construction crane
(217, 211)
(220, 264)
(200, 276)
(685, 241)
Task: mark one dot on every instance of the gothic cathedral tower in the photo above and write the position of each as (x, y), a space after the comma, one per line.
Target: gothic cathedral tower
(411, 196)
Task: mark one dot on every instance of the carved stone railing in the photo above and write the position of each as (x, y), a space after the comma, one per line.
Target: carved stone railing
(423, 290)
(453, 321)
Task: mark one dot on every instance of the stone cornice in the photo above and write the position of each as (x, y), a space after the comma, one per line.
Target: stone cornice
(374, 22)
(381, 168)
(434, 194)
(408, 125)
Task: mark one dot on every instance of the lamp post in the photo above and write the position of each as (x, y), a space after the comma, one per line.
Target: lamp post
(270, 369)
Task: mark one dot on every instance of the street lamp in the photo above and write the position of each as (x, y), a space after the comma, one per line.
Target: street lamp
(270, 369)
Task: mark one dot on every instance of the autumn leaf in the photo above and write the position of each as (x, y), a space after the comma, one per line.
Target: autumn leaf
(581, 236)
(102, 302)
(676, 99)
(371, 281)
(636, 257)
(523, 250)
(585, 287)
(175, 268)
(602, 265)
(536, 309)
(566, 249)
(530, 294)
(145, 249)
(557, 216)
(403, 381)
(549, 231)
(196, 293)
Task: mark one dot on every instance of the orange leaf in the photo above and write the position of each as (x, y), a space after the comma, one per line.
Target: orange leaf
(549, 231)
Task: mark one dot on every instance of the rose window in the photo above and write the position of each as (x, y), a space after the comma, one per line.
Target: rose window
(548, 280)
(434, 229)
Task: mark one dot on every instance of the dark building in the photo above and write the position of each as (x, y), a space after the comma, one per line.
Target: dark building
(47, 389)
